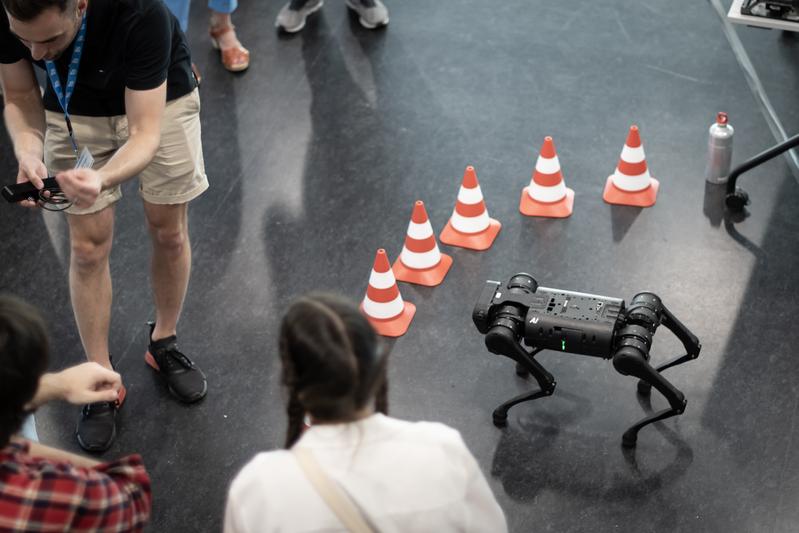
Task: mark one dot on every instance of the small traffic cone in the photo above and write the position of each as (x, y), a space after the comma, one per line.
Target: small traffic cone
(631, 183)
(547, 195)
(469, 226)
(420, 261)
(383, 305)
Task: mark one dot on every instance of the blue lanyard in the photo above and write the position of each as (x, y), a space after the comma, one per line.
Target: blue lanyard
(72, 76)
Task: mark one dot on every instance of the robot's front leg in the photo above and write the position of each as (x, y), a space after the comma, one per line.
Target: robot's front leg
(500, 415)
(501, 340)
(688, 339)
(631, 360)
(645, 387)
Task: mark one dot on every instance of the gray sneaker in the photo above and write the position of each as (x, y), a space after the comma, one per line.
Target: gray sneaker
(371, 13)
(292, 16)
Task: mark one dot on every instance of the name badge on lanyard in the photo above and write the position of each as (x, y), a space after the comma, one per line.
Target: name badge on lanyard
(64, 96)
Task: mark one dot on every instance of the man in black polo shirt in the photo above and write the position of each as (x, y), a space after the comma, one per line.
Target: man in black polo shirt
(120, 86)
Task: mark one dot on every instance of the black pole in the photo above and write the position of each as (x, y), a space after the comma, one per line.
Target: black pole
(737, 198)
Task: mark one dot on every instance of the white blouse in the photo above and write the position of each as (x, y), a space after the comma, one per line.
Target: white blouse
(404, 476)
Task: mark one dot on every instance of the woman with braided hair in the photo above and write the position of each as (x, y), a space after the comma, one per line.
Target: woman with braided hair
(355, 468)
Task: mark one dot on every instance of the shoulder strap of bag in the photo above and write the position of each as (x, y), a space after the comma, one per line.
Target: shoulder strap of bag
(336, 499)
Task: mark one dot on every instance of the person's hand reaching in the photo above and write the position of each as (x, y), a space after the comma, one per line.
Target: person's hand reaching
(81, 186)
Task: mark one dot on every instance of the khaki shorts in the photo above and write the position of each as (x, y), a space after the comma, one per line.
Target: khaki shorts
(174, 176)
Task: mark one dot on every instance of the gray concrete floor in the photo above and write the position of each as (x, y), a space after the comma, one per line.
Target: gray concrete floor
(316, 155)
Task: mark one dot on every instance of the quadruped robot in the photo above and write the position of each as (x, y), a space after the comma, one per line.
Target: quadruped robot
(520, 311)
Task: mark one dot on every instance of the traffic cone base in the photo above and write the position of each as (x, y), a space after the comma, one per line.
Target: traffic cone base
(643, 198)
(560, 209)
(396, 326)
(429, 277)
(476, 241)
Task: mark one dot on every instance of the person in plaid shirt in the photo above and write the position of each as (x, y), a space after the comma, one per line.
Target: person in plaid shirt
(41, 488)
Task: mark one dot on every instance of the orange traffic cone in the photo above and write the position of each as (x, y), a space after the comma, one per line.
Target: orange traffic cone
(420, 261)
(469, 226)
(631, 184)
(383, 305)
(547, 195)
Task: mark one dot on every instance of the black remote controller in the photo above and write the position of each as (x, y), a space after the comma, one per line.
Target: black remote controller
(23, 191)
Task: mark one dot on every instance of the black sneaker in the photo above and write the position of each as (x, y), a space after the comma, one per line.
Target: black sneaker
(186, 382)
(97, 424)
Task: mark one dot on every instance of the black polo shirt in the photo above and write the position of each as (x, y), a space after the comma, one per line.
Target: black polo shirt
(129, 43)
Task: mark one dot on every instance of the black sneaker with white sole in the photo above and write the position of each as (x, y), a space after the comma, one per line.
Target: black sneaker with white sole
(185, 380)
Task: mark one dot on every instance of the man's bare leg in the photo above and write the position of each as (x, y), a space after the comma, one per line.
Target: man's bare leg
(171, 263)
(90, 288)
(171, 266)
(90, 280)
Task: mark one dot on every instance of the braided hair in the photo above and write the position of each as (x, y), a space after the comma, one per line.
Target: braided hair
(332, 367)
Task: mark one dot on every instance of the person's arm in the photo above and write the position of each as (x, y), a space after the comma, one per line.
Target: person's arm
(483, 512)
(116, 494)
(144, 110)
(244, 507)
(231, 520)
(53, 454)
(80, 384)
(24, 117)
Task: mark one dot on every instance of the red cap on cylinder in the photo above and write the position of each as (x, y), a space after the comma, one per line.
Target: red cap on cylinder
(721, 118)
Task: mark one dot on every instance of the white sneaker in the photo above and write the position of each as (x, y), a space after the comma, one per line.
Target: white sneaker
(372, 13)
(292, 16)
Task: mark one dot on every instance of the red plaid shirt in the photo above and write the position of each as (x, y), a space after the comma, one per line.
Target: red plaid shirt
(41, 495)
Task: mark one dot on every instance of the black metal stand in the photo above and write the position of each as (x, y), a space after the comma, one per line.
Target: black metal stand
(737, 198)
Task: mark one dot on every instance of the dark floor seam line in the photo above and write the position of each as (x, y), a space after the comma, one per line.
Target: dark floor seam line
(756, 87)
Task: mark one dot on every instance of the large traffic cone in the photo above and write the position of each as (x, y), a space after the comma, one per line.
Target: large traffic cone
(547, 195)
(469, 226)
(631, 184)
(420, 261)
(383, 305)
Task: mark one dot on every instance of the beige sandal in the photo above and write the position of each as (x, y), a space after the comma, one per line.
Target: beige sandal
(234, 59)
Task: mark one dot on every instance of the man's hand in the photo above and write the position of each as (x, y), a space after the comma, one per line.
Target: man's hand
(85, 383)
(82, 186)
(89, 383)
(31, 169)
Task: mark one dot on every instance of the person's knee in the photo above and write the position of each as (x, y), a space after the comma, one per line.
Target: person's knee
(90, 254)
(172, 238)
